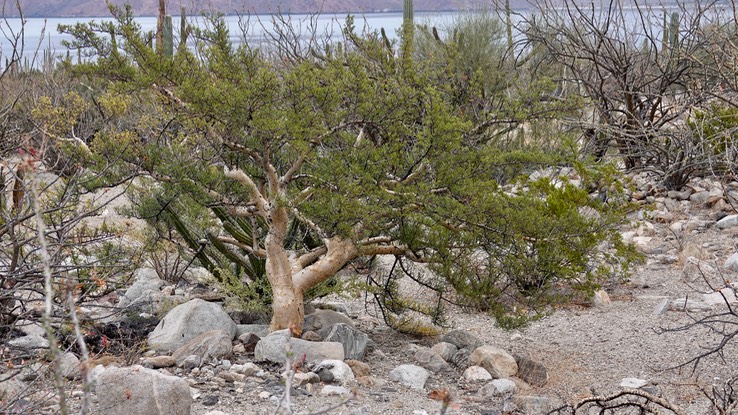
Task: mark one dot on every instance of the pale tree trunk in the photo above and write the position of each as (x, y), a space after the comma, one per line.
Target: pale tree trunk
(287, 303)
(290, 277)
(288, 288)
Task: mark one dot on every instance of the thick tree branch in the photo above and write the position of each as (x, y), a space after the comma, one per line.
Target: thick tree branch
(260, 203)
(339, 253)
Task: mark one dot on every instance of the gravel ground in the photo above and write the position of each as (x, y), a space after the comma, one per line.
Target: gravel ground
(586, 350)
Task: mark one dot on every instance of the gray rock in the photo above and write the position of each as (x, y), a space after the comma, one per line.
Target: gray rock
(341, 372)
(689, 305)
(321, 321)
(460, 359)
(732, 262)
(662, 307)
(720, 297)
(249, 341)
(214, 344)
(20, 406)
(330, 390)
(699, 197)
(303, 378)
(31, 372)
(476, 374)
(633, 383)
(187, 321)
(533, 404)
(410, 375)
(31, 342)
(141, 391)
(272, 348)
(248, 369)
(499, 363)
(138, 288)
(199, 274)
(498, 387)
(144, 294)
(683, 195)
(531, 372)
(30, 328)
(601, 299)
(146, 274)
(261, 330)
(12, 388)
(157, 362)
(462, 339)
(729, 221)
(96, 372)
(190, 362)
(445, 350)
(431, 360)
(69, 365)
(697, 270)
(355, 343)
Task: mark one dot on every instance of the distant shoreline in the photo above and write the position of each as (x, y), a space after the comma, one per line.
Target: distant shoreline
(354, 13)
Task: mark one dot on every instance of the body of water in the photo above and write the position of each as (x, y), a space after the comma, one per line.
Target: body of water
(41, 35)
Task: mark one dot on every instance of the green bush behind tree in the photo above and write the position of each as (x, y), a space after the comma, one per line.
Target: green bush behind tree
(278, 166)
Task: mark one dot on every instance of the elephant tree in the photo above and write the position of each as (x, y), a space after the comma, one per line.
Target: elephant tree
(342, 143)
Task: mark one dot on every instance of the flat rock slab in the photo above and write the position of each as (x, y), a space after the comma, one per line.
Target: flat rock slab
(462, 339)
(633, 383)
(187, 321)
(157, 362)
(531, 372)
(729, 221)
(30, 342)
(410, 375)
(322, 321)
(261, 330)
(355, 343)
(213, 344)
(499, 363)
(273, 348)
(141, 391)
(431, 360)
(476, 374)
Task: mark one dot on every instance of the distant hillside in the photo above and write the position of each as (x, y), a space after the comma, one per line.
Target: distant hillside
(96, 8)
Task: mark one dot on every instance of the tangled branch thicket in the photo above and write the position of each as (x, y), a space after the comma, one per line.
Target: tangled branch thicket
(55, 253)
(658, 81)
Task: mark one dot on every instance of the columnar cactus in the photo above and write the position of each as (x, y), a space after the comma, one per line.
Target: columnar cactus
(674, 30)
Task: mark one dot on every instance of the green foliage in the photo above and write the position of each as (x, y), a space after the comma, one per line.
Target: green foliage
(526, 248)
(716, 128)
(467, 57)
(359, 143)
